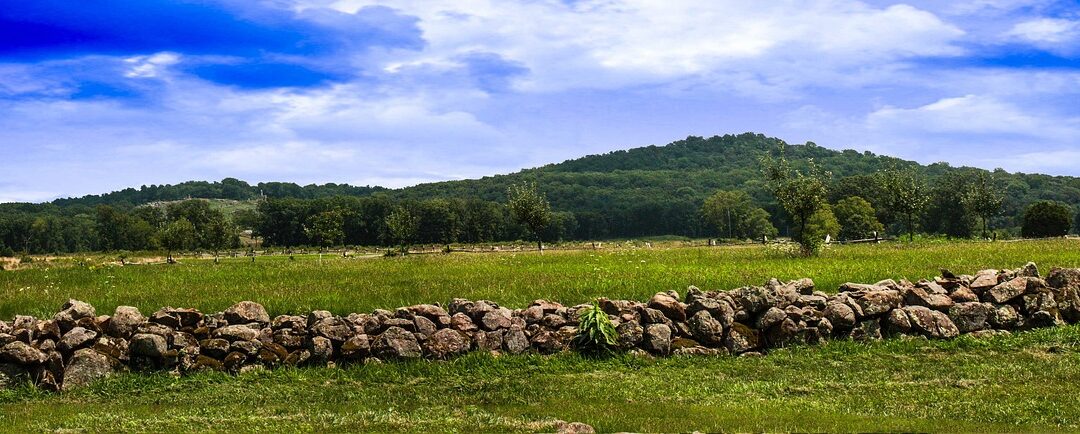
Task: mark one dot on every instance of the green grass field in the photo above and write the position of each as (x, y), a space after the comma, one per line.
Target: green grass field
(1019, 383)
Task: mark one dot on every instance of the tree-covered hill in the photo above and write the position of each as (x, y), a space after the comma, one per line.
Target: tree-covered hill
(648, 191)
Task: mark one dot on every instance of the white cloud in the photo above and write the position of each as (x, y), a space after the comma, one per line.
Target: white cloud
(616, 43)
(150, 66)
(1055, 34)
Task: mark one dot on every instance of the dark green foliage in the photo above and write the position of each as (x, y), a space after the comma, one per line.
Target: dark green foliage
(1047, 219)
(857, 219)
(596, 333)
(733, 215)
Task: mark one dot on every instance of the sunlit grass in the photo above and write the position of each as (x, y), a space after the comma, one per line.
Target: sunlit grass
(513, 279)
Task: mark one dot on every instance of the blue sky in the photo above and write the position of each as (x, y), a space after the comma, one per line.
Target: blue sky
(97, 96)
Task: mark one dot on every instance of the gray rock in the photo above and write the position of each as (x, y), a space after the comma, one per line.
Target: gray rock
(494, 320)
(322, 350)
(770, 317)
(630, 334)
(706, 329)
(875, 303)
(75, 339)
(246, 312)
(657, 339)
(335, 329)
(396, 343)
(1004, 317)
(21, 353)
(72, 312)
(869, 330)
(357, 347)
(86, 366)
(124, 322)
(741, 339)
(233, 333)
(970, 317)
(148, 345)
(1008, 290)
(840, 315)
(515, 341)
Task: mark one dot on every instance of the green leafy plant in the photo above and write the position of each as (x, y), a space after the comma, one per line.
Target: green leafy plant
(596, 333)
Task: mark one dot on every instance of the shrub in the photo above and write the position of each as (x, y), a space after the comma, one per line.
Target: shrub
(1047, 219)
(596, 333)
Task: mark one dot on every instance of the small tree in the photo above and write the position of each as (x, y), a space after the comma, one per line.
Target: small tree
(800, 194)
(1047, 219)
(178, 236)
(985, 199)
(402, 227)
(857, 218)
(823, 223)
(531, 209)
(904, 194)
(218, 234)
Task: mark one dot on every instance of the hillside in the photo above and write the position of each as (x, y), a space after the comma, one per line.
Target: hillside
(648, 191)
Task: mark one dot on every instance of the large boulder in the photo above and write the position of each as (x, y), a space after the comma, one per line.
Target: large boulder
(924, 321)
(148, 345)
(124, 322)
(75, 339)
(396, 343)
(246, 312)
(970, 317)
(21, 353)
(840, 315)
(333, 328)
(656, 339)
(515, 341)
(668, 305)
(1010, 289)
(741, 339)
(878, 302)
(86, 366)
(705, 328)
(72, 312)
(446, 343)
(630, 334)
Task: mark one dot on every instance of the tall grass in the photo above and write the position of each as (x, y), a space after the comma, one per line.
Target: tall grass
(513, 279)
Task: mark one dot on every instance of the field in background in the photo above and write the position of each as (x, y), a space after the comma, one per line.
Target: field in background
(1019, 383)
(513, 279)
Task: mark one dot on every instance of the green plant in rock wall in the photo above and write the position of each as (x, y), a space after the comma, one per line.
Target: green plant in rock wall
(596, 333)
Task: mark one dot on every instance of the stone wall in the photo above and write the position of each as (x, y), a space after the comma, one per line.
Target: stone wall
(77, 346)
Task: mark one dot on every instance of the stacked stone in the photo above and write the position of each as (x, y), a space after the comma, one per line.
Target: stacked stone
(77, 346)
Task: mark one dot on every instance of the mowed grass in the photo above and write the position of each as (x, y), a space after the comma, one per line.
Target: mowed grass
(512, 279)
(1025, 382)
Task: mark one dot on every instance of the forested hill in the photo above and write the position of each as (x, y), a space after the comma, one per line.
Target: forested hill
(654, 190)
(228, 188)
(658, 190)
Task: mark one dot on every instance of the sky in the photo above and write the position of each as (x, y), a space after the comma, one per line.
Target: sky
(101, 95)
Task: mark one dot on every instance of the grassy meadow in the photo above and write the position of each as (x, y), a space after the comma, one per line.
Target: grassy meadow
(1024, 382)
